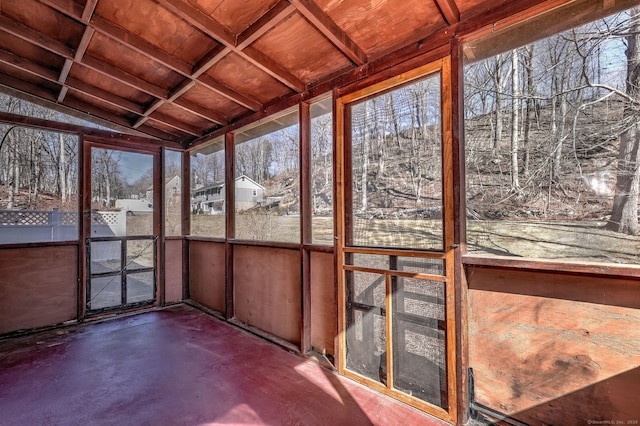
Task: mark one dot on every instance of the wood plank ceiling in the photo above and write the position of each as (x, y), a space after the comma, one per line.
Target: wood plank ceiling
(180, 69)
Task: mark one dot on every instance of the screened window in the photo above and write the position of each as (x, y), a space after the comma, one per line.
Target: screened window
(551, 134)
(322, 171)
(207, 190)
(267, 160)
(396, 166)
(38, 185)
(173, 192)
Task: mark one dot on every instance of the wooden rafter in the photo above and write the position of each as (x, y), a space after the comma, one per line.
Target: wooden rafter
(214, 29)
(449, 10)
(278, 13)
(323, 23)
(224, 90)
(35, 37)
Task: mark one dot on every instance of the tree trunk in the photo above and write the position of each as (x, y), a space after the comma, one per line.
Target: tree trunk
(624, 214)
(515, 108)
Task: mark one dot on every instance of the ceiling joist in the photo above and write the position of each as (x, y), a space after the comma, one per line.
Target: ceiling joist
(449, 10)
(330, 30)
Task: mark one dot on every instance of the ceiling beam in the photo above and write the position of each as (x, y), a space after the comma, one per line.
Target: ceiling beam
(214, 29)
(32, 36)
(200, 20)
(278, 13)
(175, 123)
(68, 7)
(224, 90)
(22, 64)
(140, 45)
(201, 111)
(104, 96)
(89, 8)
(124, 77)
(449, 10)
(323, 23)
(269, 66)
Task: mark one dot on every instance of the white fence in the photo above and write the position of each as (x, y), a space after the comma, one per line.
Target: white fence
(33, 226)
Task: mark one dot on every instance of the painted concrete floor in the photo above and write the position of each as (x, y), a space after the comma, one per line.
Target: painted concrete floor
(177, 366)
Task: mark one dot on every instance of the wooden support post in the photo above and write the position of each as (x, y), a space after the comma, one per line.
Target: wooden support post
(305, 224)
(186, 221)
(230, 219)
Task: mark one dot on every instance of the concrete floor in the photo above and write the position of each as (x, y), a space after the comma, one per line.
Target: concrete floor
(177, 366)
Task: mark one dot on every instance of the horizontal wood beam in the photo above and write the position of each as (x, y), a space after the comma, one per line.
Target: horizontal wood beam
(176, 124)
(124, 77)
(22, 64)
(224, 90)
(269, 66)
(89, 8)
(140, 45)
(104, 96)
(201, 111)
(323, 23)
(67, 7)
(32, 36)
(200, 20)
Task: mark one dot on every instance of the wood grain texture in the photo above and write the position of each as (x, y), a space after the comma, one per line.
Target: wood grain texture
(234, 15)
(207, 274)
(267, 290)
(173, 270)
(38, 287)
(308, 54)
(543, 353)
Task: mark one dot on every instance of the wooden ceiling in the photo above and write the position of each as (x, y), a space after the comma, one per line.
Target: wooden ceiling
(180, 69)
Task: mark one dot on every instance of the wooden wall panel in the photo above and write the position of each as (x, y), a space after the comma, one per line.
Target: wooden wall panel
(267, 290)
(548, 348)
(38, 287)
(324, 312)
(206, 274)
(173, 270)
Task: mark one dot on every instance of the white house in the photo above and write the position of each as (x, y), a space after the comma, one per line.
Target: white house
(210, 199)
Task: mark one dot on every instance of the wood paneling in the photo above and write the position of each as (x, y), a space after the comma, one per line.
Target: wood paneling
(548, 348)
(267, 290)
(234, 15)
(207, 274)
(173, 270)
(324, 308)
(241, 75)
(310, 55)
(38, 287)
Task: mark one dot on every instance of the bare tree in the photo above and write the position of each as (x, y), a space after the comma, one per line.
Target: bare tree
(624, 214)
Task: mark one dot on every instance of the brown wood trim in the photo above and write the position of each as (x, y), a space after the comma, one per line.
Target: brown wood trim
(395, 252)
(174, 238)
(304, 121)
(114, 143)
(84, 154)
(388, 303)
(158, 226)
(318, 248)
(273, 244)
(6, 117)
(429, 277)
(205, 239)
(459, 238)
(553, 266)
(449, 236)
(409, 400)
(38, 245)
(339, 226)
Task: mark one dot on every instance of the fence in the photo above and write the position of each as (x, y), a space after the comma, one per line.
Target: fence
(33, 226)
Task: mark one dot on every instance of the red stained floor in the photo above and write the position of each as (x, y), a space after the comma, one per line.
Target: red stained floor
(177, 366)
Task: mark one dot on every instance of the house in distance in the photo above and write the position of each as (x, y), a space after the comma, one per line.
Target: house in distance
(210, 199)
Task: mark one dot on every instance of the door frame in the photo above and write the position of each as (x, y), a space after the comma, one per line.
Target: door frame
(448, 253)
(156, 152)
